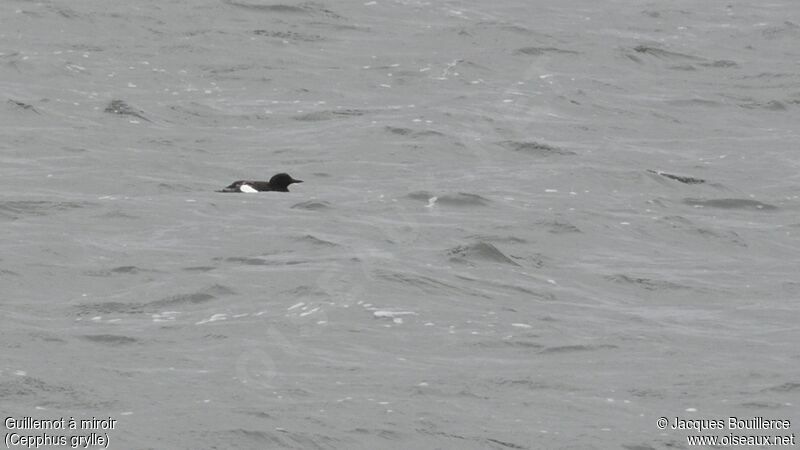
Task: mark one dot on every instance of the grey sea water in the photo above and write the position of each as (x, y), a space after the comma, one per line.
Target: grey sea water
(524, 224)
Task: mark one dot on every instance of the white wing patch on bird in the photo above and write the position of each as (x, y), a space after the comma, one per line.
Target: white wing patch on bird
(246, 188)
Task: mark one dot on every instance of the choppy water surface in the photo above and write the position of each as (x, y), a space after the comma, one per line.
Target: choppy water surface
(525, 224)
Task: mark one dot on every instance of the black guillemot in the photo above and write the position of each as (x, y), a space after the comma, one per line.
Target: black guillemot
(279, 183)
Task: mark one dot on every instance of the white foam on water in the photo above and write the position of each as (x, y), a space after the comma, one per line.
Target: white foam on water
(165, 316)
(393, 314)
(311, 311)
(214, 318)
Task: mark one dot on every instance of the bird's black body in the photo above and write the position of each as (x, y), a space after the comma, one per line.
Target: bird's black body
(278, 183)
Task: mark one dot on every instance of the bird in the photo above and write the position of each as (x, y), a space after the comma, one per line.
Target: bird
(279, 183)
